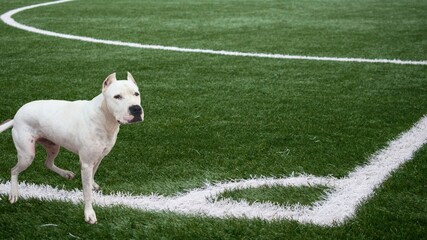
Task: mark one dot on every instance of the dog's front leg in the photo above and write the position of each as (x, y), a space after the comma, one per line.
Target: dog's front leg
(87, 167)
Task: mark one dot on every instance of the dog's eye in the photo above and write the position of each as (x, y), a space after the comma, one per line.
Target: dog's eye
(136, 94)
(118, 96)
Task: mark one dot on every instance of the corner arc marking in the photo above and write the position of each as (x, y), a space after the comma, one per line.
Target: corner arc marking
(339, 204)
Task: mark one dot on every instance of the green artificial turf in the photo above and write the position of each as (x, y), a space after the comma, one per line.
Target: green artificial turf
(213, 118)
(278, 195)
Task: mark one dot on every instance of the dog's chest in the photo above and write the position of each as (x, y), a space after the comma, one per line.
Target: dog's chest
(106, 141)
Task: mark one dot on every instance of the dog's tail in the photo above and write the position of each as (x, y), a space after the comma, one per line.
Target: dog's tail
(6, 125)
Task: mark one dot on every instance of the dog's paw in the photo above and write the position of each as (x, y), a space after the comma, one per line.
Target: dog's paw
(95, 186)
(68, 175)
(13, 197)
(90, 216)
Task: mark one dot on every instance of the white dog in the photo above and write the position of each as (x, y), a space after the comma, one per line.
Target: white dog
(87, 128)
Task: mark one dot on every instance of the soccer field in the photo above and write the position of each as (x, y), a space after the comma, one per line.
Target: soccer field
(263, 119)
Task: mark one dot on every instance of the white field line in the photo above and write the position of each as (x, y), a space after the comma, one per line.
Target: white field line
(338, 205)
(7, 18)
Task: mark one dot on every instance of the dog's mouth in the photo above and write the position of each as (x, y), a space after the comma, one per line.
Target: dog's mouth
(136, 119)
(131, 119)
(128, 122)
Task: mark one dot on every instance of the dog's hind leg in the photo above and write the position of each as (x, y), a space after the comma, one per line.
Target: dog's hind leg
(52, 151)
(26, 150)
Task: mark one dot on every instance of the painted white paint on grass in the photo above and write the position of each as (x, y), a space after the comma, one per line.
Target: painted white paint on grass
(7, 18)
(338, 205)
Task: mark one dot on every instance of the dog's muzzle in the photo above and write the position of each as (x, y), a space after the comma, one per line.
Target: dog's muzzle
(137, 113)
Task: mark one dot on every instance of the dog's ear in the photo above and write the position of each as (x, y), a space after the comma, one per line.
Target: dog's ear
(130, 78)
(107, 82)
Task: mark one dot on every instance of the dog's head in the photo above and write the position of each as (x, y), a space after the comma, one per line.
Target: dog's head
(122, 99)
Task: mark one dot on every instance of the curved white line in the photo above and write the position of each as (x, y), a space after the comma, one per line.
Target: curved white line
(7, 18)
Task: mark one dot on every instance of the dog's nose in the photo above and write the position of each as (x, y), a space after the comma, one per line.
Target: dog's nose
(135, 110)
